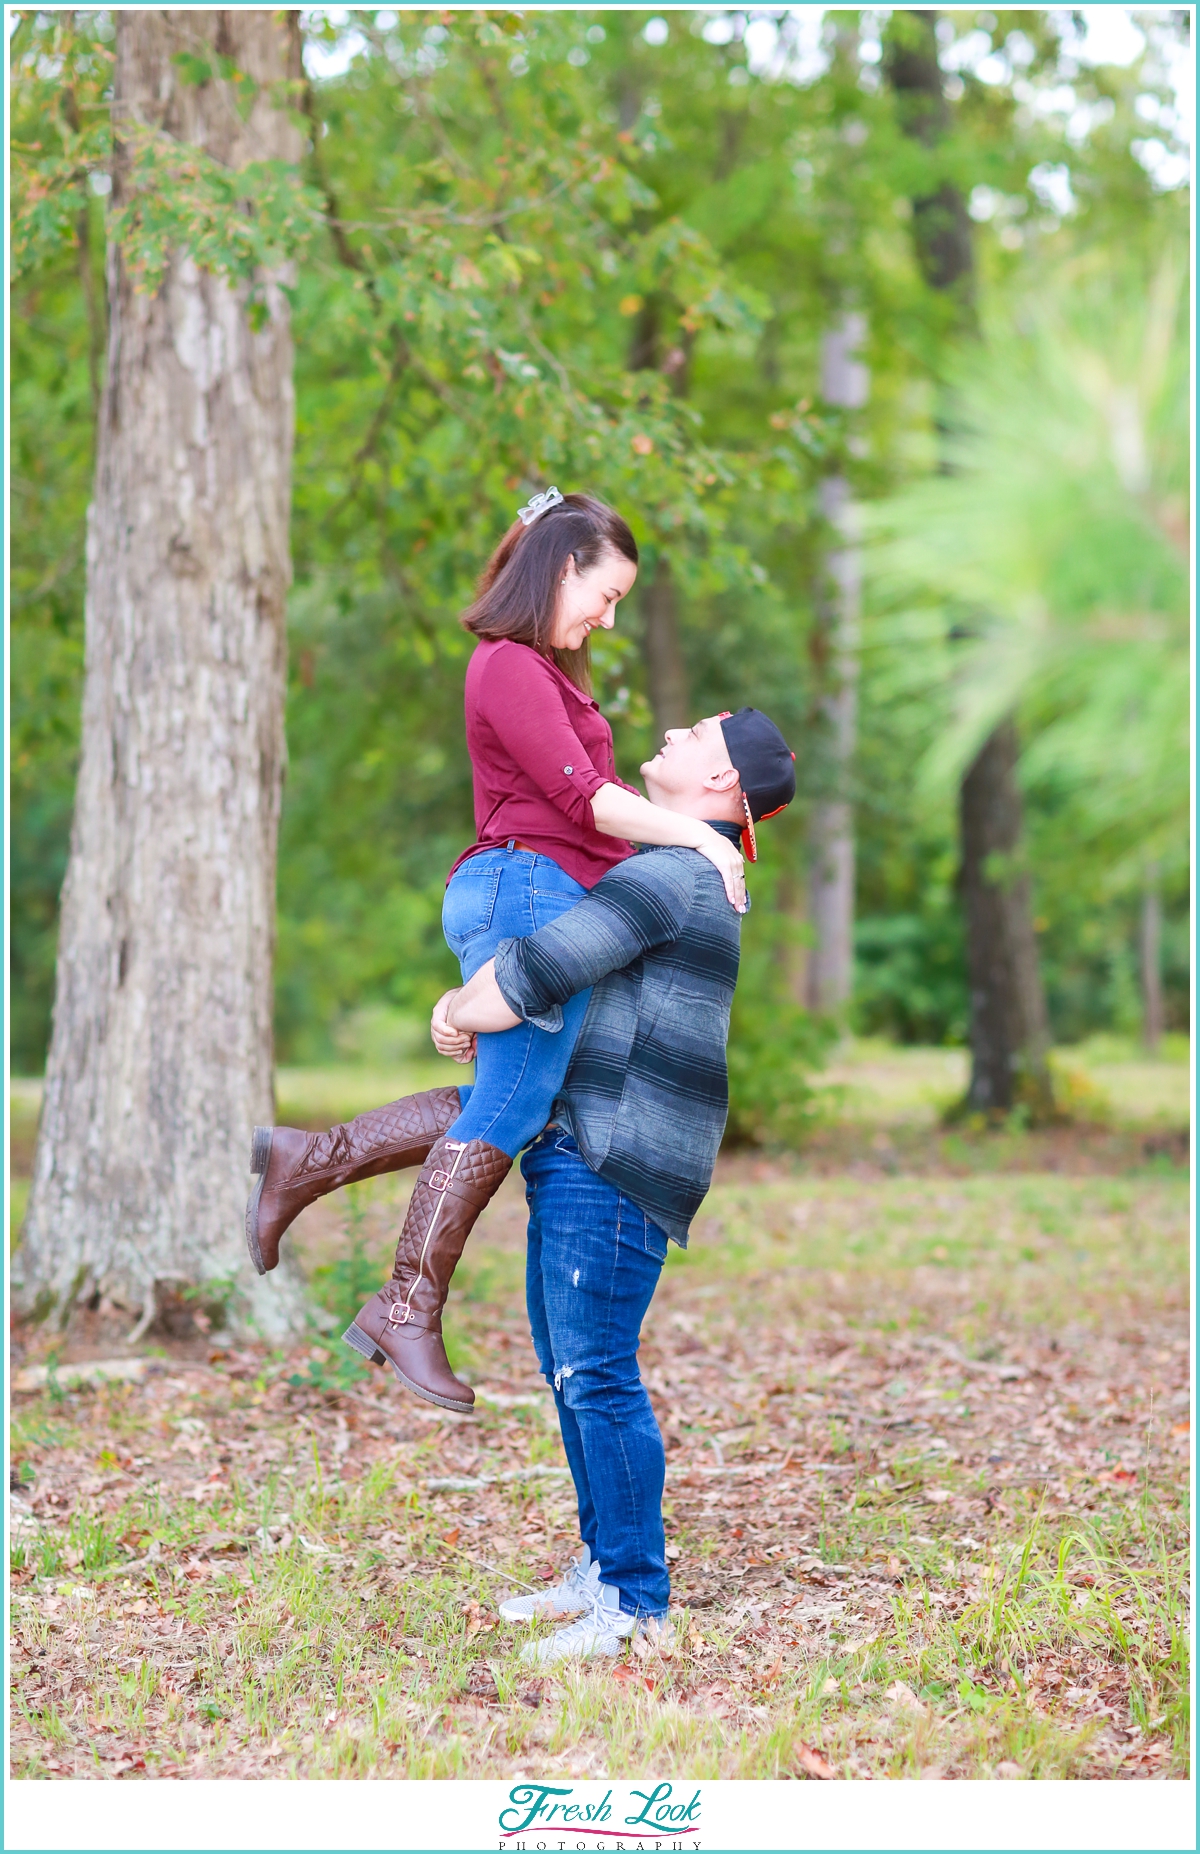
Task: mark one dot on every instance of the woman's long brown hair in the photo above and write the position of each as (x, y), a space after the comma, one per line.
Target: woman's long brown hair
(517, 595)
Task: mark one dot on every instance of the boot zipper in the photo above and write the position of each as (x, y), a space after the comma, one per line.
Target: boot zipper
(402, 1319)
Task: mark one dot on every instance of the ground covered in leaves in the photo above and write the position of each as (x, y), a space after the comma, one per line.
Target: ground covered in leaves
(927, 1440)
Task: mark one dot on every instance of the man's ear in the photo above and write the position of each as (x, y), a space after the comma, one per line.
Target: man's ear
(724, 781)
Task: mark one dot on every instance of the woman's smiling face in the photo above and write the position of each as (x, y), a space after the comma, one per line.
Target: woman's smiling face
(589, 599)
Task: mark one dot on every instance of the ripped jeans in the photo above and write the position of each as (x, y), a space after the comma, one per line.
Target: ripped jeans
(592, 1264)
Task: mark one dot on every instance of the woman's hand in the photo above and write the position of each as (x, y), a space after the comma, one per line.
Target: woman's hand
(457, 1044)
(619, 812)
(729, 864)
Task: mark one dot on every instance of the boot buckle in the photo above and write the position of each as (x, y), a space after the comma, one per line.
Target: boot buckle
(438, 1180)
(399, 1315)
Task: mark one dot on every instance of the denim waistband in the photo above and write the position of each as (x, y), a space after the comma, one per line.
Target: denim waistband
(511, 849)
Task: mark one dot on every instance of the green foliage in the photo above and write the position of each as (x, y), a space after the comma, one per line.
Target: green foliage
(341, 1287)
(1047, 569)
(537, 248)
(343, 1284)
(61, 136)
(1047, 572)
(238, 223)
(774, 1045)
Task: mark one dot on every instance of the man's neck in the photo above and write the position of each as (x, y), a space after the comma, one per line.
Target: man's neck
(706, 807)
(726, 827)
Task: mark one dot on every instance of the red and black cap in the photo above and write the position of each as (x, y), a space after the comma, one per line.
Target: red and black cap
(766, 768)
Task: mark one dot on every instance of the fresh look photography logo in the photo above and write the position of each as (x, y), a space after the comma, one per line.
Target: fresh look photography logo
(557, 1816)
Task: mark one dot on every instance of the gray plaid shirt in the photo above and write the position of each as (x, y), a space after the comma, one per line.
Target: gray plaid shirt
(647, 1091)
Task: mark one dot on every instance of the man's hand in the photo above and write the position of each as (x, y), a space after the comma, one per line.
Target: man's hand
(448, 1041)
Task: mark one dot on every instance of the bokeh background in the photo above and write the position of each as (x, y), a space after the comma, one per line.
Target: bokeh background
(675, 211)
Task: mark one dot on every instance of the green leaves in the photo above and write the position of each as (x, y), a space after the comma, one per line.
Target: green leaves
(192, 69)
(238, 224)
(61, 138)
(1046, 570)
(198, 71)
(531, 247)
(173, 198)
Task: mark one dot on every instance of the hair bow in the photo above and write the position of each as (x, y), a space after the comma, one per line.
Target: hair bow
(537, 505)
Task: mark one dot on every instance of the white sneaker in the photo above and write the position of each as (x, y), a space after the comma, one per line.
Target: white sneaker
(566, 1599)
(603, 1628)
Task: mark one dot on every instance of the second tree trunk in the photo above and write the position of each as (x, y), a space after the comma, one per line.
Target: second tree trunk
(1008, 1015)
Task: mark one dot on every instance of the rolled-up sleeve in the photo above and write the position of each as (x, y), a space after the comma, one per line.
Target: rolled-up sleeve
(521, 702)
(519, 994)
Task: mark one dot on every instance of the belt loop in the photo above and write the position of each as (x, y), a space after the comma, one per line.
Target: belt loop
(511, 845)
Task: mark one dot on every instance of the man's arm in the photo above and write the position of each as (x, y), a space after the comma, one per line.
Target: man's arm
(642, 904)
(478, 1006)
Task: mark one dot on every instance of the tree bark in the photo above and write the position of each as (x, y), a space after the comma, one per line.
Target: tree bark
(1009, 1039)
(1007, 1012)
(830, 963)
(941, 223)
(1151, 961)
(161, 1052)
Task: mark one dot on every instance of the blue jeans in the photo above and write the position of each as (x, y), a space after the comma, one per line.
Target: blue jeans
(592, 1265)
(499, 894)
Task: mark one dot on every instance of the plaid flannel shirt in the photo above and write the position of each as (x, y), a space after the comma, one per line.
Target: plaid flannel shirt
(647, 1091)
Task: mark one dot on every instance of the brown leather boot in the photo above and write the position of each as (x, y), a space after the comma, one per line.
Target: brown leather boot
(296, 1168)
(402, 1324)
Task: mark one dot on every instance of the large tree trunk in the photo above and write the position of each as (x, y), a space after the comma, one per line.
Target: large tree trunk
(1008, 1012)
(1007, 1027)
(161, 1056)
(830, 964)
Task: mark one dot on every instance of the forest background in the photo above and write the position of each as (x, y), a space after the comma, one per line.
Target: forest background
(620, 268)
(876, 324)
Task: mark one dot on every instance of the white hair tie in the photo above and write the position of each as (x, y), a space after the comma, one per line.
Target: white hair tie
(537, 505)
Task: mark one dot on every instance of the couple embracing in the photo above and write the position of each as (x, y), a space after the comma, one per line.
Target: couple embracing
(595, 1005)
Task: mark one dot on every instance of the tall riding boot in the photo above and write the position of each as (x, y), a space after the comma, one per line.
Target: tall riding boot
(296, 1168)
(402, 1324)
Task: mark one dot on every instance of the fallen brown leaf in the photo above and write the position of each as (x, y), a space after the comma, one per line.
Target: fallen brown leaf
(813, 1764)
(629, 1676)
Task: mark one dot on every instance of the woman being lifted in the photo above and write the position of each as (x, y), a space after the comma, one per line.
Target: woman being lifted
(551, 816)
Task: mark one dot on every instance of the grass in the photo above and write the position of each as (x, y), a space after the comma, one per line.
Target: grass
(1109, 1078)
(926, 1500)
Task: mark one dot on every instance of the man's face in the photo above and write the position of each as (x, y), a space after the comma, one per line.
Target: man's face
(689, 761)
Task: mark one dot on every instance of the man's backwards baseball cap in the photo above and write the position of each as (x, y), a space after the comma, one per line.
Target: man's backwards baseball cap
(766, 768)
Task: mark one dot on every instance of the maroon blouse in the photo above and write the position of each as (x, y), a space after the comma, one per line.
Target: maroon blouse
(540, 749)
